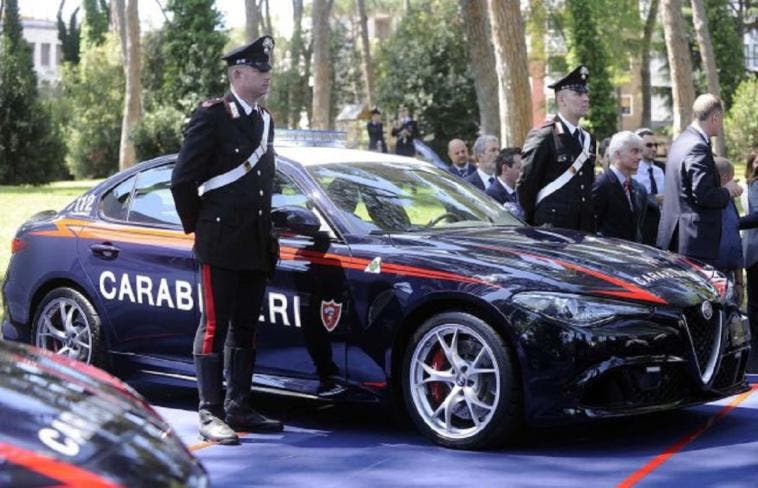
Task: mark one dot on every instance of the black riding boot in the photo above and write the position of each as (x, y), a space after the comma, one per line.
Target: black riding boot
(211, 410)
(238, 369)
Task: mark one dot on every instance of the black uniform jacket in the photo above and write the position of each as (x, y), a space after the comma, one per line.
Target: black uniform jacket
(376, 136)
(615, 218)
(548, 152)
(693, 199)
(404, 144)
(232, 224)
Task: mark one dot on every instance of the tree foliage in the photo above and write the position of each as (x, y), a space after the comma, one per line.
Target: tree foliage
(69, 35)
(741, 123)
(727, 47)
(96, 20)
(192, 47)
(31, 150)
(585, 49)
(422, 66)
(91, 91)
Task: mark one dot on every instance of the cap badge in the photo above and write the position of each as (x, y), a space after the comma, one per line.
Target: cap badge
(268, 45)
(584, 72)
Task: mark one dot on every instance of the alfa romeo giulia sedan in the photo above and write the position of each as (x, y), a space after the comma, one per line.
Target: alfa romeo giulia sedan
(416, 285)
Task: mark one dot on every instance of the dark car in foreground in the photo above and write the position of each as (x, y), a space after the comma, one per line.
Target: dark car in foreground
(64, 423)
(415, 285)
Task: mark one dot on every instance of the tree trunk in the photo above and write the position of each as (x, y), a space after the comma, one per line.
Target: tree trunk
(645, 78)
(267, 18)
(536, 33)
(296, 97)
(481, 54)
(700, 21)
(118, 24)
(132, 99)
(368, 68)
(407, 6)
(322, 80)
(512, 71)
(252, 20)
(680, 64)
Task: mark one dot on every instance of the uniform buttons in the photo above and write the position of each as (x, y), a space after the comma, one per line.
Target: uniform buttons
(583, 199)
(218, 219)
(259, 172)
(260, 193)
(260, 212)
(236, 149)
(581, 186)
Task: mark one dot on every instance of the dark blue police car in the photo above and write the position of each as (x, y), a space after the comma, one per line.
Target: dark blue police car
(416, 285)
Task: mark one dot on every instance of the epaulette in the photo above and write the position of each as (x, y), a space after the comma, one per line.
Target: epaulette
(211, 102)
(231, 106)
(558, 127)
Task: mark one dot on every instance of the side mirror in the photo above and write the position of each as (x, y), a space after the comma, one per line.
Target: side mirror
(295, 219)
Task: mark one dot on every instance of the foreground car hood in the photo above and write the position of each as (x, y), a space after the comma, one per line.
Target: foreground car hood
(529, 258)
(80, 416)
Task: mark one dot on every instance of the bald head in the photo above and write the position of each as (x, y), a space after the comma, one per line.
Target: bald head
(708, 111)
(457, 152)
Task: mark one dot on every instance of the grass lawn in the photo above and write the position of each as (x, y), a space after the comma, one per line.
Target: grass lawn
(18, 203)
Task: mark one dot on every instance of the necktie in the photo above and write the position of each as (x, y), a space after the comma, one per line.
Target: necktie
(628, 191)
(578, 136)
(653, 185)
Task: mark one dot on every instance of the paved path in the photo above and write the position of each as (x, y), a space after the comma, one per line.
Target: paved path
(352, 445)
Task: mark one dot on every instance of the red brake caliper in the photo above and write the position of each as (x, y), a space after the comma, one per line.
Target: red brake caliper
(437, 389)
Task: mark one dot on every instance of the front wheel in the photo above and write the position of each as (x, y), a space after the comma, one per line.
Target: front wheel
(459, 382)
(66, 323)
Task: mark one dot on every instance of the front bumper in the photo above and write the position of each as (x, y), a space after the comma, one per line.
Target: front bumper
(671, 359)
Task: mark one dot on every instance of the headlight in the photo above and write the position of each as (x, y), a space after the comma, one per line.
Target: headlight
(578, 310)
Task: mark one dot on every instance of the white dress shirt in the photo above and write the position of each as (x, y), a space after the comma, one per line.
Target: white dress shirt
(643, 176)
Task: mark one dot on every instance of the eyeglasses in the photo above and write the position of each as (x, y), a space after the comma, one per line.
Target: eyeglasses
(652, 144)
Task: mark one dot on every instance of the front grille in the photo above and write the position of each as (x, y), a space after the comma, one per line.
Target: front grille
(705, 335)
(632, 387)
(731, 371)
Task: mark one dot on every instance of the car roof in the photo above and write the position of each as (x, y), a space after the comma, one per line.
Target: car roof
(309, 156)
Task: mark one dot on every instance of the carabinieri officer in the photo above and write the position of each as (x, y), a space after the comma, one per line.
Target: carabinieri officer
(222, 186)
(558, 162)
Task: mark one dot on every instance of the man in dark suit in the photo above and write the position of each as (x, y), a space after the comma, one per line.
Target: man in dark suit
(458, 154)
(652, 177)
(555, 187)
(508, 170)
(617, 201)
(693, 198)
(375, 130)
(486, 148)
(222, 185)
(406, 130)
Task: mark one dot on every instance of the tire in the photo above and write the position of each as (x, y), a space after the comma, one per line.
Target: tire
(476, 402)
(66, 323)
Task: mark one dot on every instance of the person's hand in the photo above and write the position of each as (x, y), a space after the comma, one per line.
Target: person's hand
(733, 188)
(659, 198)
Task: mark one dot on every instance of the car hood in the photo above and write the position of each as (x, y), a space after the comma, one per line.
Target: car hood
(530, 258)
(79, 415)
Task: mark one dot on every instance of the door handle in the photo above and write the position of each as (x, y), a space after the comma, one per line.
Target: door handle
(105, 251)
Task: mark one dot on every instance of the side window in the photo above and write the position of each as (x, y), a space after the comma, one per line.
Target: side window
(115, 203)
(286, 193)
(152, 202)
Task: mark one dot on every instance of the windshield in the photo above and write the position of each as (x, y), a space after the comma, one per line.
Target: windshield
(392, 196)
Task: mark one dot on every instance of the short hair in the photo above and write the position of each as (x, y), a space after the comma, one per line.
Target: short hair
(621, 140)
(644, 131)
(505, 158)
(706, 105)
(481, 143)
(603, 149)
(723, 166)
(750, 172)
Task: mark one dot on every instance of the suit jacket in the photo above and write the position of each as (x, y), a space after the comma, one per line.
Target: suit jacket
(497, 191)
(232, 224)
(476, 180)
(693, 199)
(750, 221)
(548, 152)
(469, 168)
(615, 218)
(376, 136)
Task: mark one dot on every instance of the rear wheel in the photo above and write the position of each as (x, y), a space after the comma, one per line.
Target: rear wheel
(66, 323)
(459, 382)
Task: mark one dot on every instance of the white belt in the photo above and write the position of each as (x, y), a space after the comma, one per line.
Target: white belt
(558, 183)
(234, 174)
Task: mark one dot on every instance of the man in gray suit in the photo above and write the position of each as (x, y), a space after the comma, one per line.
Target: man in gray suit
(693, 197)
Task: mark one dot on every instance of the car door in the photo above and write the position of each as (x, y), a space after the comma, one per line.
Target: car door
(308, 309)
(141, 264)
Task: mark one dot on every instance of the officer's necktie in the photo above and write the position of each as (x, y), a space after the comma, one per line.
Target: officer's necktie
(653, 185)
(578, 136)
(628, 191)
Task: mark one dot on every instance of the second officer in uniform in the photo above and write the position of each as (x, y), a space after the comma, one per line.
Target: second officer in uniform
(222, 185)
(558, 162)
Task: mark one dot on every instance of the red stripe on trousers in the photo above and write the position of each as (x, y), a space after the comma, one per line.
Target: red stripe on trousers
(210, 310)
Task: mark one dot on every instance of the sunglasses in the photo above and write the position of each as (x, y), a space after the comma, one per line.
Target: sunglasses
(652, 144)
